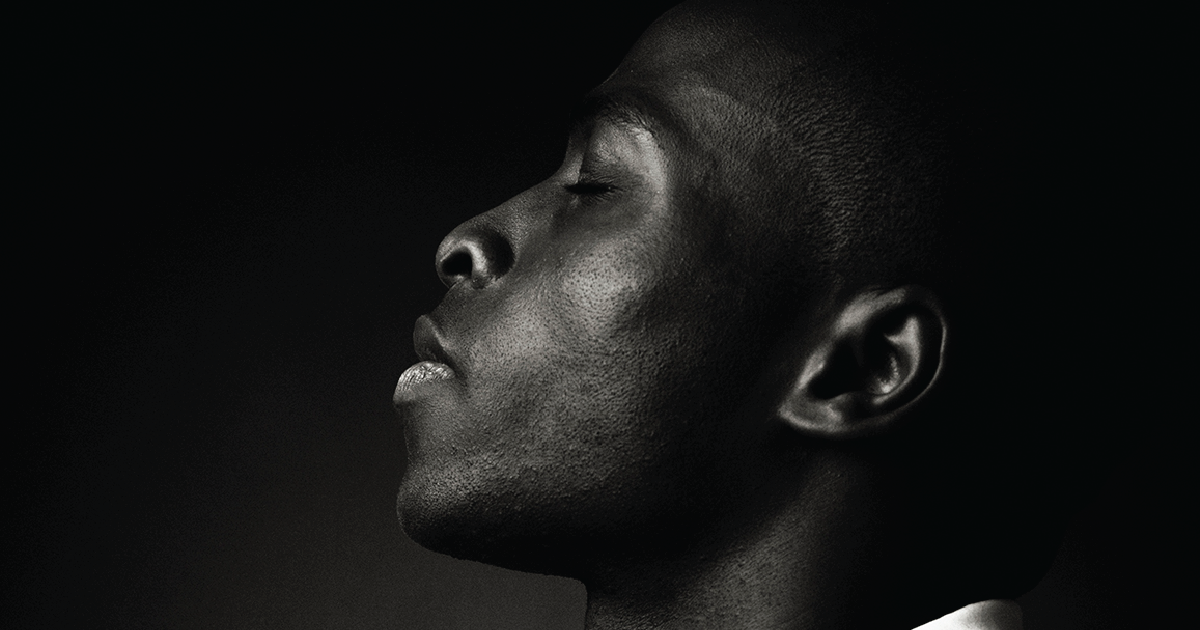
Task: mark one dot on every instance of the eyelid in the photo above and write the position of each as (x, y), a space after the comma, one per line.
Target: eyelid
(590, 187)
(599, 162)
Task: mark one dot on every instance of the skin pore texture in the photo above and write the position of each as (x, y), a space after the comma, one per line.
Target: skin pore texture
(699, 366)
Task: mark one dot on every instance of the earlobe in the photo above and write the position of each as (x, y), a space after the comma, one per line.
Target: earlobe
(877, 354)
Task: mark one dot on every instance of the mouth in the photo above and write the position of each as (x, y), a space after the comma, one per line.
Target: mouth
(434, 366)
(428, 343)
(423, 372)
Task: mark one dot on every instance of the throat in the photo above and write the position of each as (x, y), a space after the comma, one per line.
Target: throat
(815, 558)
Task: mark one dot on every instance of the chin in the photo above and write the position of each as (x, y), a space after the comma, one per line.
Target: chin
(520, 533)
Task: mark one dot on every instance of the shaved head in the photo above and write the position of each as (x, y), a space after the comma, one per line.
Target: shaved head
(864, 132)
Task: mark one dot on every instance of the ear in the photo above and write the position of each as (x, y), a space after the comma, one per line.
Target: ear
(880, 352)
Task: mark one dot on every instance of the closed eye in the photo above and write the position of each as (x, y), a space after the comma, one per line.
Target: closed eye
(589, 188)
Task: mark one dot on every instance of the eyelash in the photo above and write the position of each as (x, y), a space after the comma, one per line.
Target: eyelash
(590, 188)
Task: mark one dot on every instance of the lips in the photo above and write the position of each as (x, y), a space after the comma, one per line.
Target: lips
(422, 372)
(428, 343)
(435, 364)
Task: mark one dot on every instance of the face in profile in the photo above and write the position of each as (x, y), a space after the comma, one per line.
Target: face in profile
(710, 348)
(590, 371)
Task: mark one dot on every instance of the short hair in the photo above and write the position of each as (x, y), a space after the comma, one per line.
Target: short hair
(912, 151)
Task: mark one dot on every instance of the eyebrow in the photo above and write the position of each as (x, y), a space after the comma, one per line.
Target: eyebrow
(623, 109)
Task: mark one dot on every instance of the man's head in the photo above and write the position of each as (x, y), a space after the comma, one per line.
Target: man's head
(750, 279)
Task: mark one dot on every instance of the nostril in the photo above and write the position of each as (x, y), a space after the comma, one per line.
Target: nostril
(473, 253)
(456, 266)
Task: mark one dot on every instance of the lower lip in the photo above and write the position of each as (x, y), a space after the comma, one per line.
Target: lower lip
(423, 372)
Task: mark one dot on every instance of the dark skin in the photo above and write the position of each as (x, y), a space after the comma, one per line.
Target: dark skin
(656, 371)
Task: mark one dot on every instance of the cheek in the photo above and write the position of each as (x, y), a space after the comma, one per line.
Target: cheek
(616, 350)
(596, 389)
(571, 362)
(579, 362)
(611, 294)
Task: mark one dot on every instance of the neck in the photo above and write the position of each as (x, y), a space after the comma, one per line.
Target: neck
(811, 559)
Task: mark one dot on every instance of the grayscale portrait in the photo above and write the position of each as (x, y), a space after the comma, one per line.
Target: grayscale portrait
(755, 355)
(674, 315)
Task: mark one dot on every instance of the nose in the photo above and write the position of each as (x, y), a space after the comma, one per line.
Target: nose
(476, 252)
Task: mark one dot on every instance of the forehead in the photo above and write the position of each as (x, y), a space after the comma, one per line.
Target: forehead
(736, 47)
(789, 121)
(716, 78)
(715, 133)
(698, 35)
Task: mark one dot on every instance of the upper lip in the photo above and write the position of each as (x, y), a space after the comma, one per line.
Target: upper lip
(427, 341)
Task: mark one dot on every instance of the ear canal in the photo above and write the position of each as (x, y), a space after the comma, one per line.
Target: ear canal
(881, 352)
(838, 376)
(869, 363)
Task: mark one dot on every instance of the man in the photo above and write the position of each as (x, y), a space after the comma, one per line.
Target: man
(747, 359)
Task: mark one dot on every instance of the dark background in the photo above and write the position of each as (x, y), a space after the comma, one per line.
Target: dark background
(228, 226)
